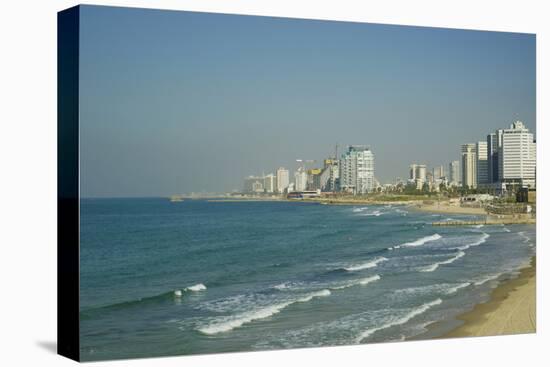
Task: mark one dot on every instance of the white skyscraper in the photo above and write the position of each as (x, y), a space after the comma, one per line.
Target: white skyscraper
(412, 172)
(469, 169)
(282, 179)
(300, 180)
(421, 172)
(482, 164)
(270, 183)
(517, 156)
(357, 170)
(454, 173)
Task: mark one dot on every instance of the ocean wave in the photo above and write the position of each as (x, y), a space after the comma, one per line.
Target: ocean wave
(524, 236)
(488, 278)
(441, 288)
(418, 242)
(233, 322)
(477, 242)
(436, 265)
(456, 288)
(196, 288)
(506, 229)
(367, 265)
(375, 213)
(399, 320)
(161, 297)
(363, 281)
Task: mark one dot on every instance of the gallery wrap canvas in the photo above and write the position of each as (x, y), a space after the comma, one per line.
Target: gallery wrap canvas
(232, 183)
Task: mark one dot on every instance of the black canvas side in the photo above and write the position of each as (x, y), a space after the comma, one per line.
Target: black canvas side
(68, 344)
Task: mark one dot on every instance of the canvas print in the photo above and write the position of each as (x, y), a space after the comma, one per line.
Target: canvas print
(254, 183)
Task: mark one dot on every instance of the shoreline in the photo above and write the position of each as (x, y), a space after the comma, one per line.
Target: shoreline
(412, 205)
(511, 309)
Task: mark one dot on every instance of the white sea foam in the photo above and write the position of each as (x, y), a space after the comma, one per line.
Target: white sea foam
(196, 288)
(524, 236)
(441, 288)
(232, 322)
(506, 229)
(367, 265)
(399, 320)
(359, 210)
(419, 242)
(477, 242)
(375, 213)
(368, 280)
(479, 226)
(457, 287)
(351, 283)
(487, 279)
(436, 265)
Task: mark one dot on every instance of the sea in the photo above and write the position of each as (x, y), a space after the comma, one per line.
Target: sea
(164, 278)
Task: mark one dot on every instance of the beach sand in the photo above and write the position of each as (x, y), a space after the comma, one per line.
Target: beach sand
(448, 209)
(510, 310)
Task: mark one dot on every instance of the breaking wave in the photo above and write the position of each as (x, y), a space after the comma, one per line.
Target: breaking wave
(233, 322)
(367, 265)
(399, 320)
(418, 242)
(352, 283)
(436, 265)
(478, 242)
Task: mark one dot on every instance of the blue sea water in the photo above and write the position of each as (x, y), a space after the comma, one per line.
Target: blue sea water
(161, 278)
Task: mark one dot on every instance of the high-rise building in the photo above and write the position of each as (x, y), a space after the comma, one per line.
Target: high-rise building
(300, 180)
(494, 143)
(330, 174)
(454, 173)
(412, 172)
(270, 183)
(314, 179)
(438, 172)
(282, 179)
(517, 157)
(482, 174)
(357, 170)
(469, 169)
(421, 172)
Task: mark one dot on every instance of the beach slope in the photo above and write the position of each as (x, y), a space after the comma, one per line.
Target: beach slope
(511, 309)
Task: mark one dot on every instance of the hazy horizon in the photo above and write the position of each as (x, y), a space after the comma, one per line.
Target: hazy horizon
(177, 102)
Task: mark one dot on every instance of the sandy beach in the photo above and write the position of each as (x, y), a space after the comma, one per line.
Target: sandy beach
(448, 209)
(510, 310)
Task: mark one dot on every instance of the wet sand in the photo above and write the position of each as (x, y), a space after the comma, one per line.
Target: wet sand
(510, 310)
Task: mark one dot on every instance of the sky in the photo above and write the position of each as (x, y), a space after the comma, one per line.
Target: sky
(176, 102)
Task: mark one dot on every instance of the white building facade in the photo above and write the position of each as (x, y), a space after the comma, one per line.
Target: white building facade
(482, 164)
(300, 180)
(469, 167)
(454, 173)
(270, 183)
(517, 156)
(357, 170)
(283, 180)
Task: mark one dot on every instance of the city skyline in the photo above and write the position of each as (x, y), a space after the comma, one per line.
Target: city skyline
(209, 109)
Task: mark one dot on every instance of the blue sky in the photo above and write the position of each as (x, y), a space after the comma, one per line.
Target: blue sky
(174, 102)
